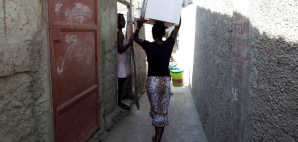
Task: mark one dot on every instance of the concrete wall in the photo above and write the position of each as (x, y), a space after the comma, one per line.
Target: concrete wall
(211, 81)
(140, 62)
(108, 62)
(140, 54)
(274, 76)
(25, 102)
(110, 114)
(244, 78)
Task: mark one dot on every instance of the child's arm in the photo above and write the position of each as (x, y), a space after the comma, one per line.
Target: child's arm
(120, 46)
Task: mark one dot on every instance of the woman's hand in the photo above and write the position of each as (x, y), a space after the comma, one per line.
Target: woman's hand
(130, 40)
(175, 64)
(141, 22)
(136, 38)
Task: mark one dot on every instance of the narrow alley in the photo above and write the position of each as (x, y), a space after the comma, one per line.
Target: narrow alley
(67, 67)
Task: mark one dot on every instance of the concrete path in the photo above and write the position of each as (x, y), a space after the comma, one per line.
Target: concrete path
(185, 125)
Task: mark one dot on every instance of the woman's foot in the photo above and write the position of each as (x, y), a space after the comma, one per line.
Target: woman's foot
(153, 138)
(123, 106)
(171, 93)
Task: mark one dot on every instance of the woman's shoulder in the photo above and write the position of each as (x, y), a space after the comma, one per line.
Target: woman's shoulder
(146, 42)
(170, 40)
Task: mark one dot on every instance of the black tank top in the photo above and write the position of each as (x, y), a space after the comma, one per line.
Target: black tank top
(158, 56)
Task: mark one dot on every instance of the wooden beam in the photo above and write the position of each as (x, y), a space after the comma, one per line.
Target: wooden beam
(130, 14)
(124, 2)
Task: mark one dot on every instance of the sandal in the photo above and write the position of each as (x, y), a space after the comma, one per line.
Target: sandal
(123, 106)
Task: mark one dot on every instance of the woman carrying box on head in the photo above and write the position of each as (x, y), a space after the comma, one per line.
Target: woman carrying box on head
(158, 79)
(123, 59)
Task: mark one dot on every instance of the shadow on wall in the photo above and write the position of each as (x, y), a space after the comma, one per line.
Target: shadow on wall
(245, 83)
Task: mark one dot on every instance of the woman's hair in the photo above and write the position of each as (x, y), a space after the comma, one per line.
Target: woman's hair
(120, 15)
(158, 30)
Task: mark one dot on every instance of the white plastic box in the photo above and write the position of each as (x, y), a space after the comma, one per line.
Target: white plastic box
(164, 11)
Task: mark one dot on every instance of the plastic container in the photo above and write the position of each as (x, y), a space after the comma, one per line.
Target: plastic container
(177, 77)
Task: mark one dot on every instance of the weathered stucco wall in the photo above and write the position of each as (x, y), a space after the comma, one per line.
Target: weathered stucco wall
(245, 69)
(211, 81)
(274, 78)
(140, 62)
(107, 47)
(107, 68)
(25, 102)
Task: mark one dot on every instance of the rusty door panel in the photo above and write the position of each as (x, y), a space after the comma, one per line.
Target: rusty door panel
(74, 13)
(84, 110)
(73, 31)
(75, 62)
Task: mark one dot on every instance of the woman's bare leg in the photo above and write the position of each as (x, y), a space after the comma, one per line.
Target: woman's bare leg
(158, 133)
(120, 87)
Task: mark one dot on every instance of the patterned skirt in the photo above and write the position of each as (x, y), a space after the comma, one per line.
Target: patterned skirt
(158, 91)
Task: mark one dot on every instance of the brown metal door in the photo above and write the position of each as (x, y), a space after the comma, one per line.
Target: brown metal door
(73, 31)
